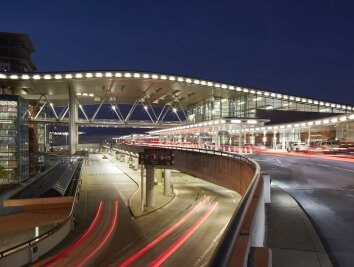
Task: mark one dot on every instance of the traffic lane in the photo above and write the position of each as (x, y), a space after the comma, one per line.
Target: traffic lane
(99, 185)
(114, 180)
(204, 241)
(161, 246)
(292, 172)
(206, 238)
(85, 247)
(331, 211)
(148, 227)
(325, 191)
(200, 247)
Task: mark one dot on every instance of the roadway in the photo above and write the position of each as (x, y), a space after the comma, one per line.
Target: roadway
(185, 231)
(325, 190)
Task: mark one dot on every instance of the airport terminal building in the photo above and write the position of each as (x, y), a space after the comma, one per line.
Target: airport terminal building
(203, 112)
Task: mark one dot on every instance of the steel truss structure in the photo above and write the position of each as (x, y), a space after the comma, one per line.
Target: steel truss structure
(37, 113)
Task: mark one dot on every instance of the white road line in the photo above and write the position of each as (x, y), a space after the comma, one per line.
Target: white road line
(277, 160)
(264, 160)
(328, 166)
(212, 244)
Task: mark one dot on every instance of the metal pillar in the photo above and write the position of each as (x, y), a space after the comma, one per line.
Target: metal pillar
(239, 143)
(274, 139)
(73, 133)
(217, 141)
(167, 182)
(142, 188)
(150, 200)
(283, 140)
(199, 141)
(264, 138)
(309, 137)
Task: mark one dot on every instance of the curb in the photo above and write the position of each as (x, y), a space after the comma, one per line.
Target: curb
(138, 190)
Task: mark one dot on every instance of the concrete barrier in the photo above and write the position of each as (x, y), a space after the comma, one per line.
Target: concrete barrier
(31, 252)
(37, 201)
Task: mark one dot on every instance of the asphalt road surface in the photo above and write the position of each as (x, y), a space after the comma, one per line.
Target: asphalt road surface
(186, 231)
(325, 190)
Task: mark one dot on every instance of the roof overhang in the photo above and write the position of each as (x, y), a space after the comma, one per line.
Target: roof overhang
(127, 86)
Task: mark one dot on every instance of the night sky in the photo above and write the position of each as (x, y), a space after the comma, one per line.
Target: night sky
(298, 47)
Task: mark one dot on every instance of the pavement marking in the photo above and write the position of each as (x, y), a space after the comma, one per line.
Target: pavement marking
(213, 243)
(264, 160)
(277, 160)
(328, 166)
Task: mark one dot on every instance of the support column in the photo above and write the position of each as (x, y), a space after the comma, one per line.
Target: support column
(72, 121)
(217, 141)
(274, 139)
(309, 137)
(283, 140)
(167, 182)
(239, 142)
(158, 176)
(264, 138)
(136, 164)
(150, 183)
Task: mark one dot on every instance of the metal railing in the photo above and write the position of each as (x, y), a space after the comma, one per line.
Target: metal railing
(33, 241)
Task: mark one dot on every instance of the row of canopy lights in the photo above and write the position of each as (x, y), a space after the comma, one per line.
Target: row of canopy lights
(333, 120)
(208, 123)
(137, 75)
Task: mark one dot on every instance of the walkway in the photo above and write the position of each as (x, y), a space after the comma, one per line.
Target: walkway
(290, 234)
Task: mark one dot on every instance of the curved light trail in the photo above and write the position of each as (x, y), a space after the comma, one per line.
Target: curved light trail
(180, 241)
(79, 241)
(105, 238)
(164, 234)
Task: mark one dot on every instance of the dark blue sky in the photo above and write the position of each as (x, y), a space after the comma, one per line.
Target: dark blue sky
(298, 47)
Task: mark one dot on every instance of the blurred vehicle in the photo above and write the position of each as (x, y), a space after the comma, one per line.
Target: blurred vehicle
(259, 147)
(297, 147)
(104, 157)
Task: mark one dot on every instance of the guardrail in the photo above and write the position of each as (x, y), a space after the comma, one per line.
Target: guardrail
(229, 251)
(32, 244)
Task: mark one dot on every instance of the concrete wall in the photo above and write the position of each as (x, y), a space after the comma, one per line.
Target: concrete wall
(227, 172)
(30, 254)
(223, 171)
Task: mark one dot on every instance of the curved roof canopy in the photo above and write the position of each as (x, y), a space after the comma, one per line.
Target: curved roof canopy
(127, 86)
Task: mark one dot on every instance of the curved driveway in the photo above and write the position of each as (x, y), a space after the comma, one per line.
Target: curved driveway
(103, 181)
(325, 190)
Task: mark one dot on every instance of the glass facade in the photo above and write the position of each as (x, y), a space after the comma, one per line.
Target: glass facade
(13, 138)
(246, 104)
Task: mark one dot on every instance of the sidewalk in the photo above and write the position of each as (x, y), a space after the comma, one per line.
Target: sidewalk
(290, 234)
(135, 200)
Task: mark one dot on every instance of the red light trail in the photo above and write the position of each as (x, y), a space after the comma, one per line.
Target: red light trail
(142, 251)
(82, 238)
(105, 238)
(180, 241)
